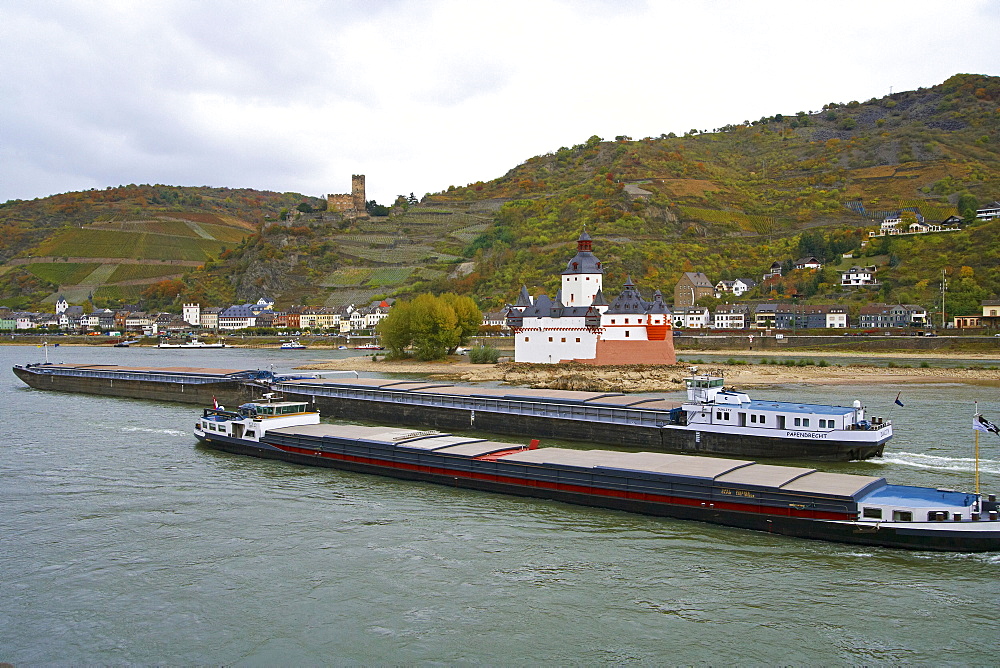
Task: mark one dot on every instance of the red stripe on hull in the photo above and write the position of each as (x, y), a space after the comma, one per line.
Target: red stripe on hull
(578, 489)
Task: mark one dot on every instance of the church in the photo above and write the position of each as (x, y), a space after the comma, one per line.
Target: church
(580, 325)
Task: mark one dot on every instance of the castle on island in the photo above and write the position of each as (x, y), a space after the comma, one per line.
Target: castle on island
(579, 325)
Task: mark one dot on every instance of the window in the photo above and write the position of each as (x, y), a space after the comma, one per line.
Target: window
(550, 339)
(718, 416)
(563, 340)
(872, 513)
(902, 516)
(798, 422)
(626, 321)
(753, 418)
(763, 418)
(578, 339)
(526, 339)
(626, 333)
(805, 422)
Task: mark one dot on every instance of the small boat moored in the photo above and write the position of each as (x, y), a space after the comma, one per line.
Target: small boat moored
(292, 345)
(193, 343)
(788, 500)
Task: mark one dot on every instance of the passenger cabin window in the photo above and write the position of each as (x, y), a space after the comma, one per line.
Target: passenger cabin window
(902, 516)
(872, 513)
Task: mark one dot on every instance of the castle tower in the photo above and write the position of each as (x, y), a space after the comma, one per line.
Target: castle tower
(583, 276)
(192, 314)
(358, 192)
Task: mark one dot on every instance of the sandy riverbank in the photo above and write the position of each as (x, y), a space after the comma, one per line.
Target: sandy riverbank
(663, 378)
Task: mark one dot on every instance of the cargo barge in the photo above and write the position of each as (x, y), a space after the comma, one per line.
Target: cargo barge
(713, 420)
(792, 501)
(182, 384)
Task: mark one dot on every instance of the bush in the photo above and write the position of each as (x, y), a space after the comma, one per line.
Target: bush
(484, 355)
(823, 363)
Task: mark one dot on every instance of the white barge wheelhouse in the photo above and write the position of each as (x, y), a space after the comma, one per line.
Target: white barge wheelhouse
(711, 406)
(788, 500)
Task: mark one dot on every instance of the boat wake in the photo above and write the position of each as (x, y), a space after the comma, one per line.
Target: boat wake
(921, 461)
(170, 432)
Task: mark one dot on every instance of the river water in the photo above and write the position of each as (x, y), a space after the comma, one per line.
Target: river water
(123, 541)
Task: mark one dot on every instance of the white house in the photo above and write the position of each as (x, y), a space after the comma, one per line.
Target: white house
(988, 212)
(731, 316)
(857, 276)
(192, 314)
(692, 317)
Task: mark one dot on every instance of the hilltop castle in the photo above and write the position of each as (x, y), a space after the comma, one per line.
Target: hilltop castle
(580, 326)
(352, 204)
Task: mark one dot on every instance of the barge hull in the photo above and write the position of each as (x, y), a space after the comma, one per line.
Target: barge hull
(228, 391)
(665, 438)
(841, 531)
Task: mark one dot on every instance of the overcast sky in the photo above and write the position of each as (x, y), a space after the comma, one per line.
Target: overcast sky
(419, 95)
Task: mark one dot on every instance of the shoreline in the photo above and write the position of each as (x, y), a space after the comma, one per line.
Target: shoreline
(639, 378)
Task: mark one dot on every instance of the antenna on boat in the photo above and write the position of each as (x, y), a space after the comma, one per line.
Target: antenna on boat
(976, 431)
(268, 396)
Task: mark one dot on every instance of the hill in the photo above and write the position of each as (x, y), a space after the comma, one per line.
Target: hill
(111, 245)
(731, 201)
(727, 202)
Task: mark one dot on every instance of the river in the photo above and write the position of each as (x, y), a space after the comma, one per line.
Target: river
(125, 542)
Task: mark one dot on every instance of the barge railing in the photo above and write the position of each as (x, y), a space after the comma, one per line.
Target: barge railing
(629, 416)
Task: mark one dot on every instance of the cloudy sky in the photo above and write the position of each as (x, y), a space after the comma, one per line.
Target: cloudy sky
(423, 94)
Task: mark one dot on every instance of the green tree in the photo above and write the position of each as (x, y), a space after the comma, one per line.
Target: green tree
(967, 205)
(434, 326)
(470, 318)
(394, 330)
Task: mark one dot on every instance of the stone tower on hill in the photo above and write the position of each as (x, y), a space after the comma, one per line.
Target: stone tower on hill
(352, 204)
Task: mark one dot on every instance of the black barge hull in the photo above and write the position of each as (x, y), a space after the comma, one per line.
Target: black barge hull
(182, 390)
(796, 527)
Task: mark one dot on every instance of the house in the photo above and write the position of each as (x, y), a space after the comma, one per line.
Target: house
(61, 305)
(988, 212)
(857, 276)
(580, 325)
(764, 315)
(879, 316)
(137, 321)
(497, 319)
(991, 313)
(70, 316)
(810, 316)
(210, 317)
(191, 313)
(809, 262)
(237, 316)
(692, 286)
(890, 224)
(773, 272)
(691, 317)
(731, 316)
(967, 322)
(737, 287)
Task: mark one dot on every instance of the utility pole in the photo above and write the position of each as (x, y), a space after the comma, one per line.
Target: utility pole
(944, 287)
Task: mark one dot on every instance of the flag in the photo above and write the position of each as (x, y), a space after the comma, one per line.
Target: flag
(215, 402)
(979, 423)
(897, 401)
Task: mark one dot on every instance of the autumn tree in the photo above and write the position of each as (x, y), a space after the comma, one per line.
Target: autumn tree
(434, 326)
